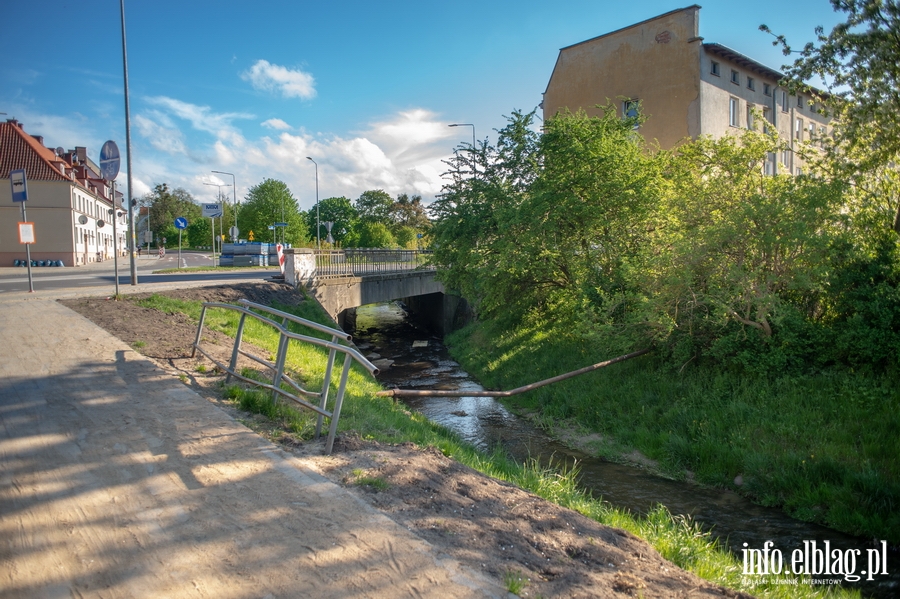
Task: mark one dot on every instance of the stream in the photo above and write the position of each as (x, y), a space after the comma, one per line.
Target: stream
(411, 357)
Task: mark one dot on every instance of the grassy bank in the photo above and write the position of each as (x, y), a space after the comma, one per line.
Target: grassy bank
(825, 447)
(381, 419)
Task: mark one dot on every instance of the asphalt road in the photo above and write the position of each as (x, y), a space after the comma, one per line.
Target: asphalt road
(102, 275)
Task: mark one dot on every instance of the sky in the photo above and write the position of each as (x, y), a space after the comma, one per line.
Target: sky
(366, 89)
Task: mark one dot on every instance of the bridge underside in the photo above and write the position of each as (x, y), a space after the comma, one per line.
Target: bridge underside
(420, 291)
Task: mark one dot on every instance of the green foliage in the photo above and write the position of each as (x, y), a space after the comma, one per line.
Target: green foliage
(374, 206)
(338, 211)
(269, 202)
(372, 235)
(859, 62)
(808, 443)
(165, 206)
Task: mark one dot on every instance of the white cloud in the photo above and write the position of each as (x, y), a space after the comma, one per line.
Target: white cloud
(266, 76)
(161, 135)
(276, 124)
(201, 118)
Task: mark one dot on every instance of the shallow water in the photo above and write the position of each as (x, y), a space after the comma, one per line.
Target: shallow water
(420, 361)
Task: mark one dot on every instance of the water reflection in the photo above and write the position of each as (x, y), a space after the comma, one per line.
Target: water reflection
(418, 360)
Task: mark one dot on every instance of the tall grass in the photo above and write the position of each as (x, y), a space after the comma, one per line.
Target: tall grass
(825, 447)
(383, 420)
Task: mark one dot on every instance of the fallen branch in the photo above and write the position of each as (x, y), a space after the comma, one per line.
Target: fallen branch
(532, 386)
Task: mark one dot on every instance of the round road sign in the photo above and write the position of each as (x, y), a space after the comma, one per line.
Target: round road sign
(181, 223)
(109, 161)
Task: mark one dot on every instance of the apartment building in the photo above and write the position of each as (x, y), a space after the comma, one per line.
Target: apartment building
(69, 203)
(686, 87)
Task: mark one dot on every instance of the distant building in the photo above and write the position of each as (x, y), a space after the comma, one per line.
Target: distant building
(68, 201)
(686, 88)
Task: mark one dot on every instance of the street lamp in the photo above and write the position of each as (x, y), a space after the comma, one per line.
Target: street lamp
(234, 195)
(318, 241)
(473, 141)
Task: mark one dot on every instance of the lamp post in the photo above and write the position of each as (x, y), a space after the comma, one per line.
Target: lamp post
(473, 141)
(234, 195)
(131, 244)
(318, 241)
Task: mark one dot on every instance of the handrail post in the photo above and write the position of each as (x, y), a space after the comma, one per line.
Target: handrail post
(326, 384)
(199, 332)
(279, 365)
(338, 402)
(232, 366)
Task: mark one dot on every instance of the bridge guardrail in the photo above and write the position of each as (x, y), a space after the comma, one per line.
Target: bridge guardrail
(354, 262)
(351, 354)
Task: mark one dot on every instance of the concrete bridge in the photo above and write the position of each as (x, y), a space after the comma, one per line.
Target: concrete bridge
(343, 280)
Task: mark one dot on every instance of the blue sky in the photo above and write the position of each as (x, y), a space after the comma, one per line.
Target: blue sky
(365, 88)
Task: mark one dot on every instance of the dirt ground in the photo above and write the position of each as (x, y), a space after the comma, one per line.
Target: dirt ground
(531, 545)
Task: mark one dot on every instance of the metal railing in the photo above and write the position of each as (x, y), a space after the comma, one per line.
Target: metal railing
(280, 377)
(355, 262)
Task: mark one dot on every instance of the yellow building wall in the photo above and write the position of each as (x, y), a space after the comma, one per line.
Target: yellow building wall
(656, 61)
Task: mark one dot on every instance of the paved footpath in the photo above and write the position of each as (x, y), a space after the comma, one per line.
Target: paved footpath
(116, 480)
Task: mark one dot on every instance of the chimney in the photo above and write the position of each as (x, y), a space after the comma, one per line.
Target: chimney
(39, 138)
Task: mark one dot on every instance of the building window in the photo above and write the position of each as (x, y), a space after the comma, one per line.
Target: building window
(714, 68)
(784, 102)
(770, 163)
(733, 112)
(799, 171)
(767, 89)
(735, 77)
(799, 102)
(767, 118)
(798, 129)
(751, 83)
(749, 116)
(786, 157)
(630, 110)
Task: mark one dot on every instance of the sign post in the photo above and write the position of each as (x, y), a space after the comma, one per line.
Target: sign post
(180, 224)
(109, 168)
(213, 211)
(20, 194)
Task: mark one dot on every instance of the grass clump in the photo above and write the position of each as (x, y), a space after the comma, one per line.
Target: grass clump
(360, 478)
(514, 581)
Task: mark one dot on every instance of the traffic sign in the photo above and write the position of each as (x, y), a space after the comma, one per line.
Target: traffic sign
(234, 232)
(212, 210)
(109, 161)
(280, 224)
(19, 185)
(181, 223)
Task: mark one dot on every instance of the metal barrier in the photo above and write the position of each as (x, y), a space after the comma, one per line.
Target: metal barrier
(354, 262)
(247, 308)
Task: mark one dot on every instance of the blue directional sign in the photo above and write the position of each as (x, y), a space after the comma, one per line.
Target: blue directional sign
(280, 224)
(181, 223)
(109, 161)
(18, 184)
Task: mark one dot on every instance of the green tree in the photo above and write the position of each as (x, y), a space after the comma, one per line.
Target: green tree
(267, 203)
(859, 61)
(165, 206)
(338, 211)
(409, 212)
(373, 235)
(374, 206)
(474, 214)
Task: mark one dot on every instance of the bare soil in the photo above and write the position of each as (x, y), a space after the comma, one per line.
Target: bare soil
(486, 524)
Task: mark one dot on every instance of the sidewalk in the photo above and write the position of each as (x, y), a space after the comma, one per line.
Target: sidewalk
(117, 480)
